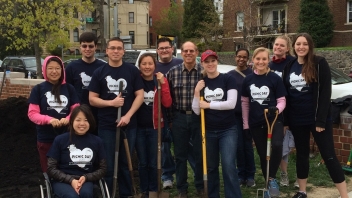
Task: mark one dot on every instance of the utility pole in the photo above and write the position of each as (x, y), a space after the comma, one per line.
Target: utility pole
(116, 20)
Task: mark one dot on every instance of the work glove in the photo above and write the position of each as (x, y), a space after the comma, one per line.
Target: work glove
(247, 134)
(272, 110)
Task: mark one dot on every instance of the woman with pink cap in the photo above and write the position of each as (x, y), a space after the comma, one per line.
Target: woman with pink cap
(50, 105)
(220, 97)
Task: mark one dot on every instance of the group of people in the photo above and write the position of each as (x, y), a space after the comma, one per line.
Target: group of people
(86, 94)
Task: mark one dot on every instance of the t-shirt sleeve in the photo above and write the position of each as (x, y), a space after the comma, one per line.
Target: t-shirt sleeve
(34, 97)
(244, 88)
(138, 83)
(231, 82)
(68, 74)
(280, 88)
(54, 151)
(73, 94)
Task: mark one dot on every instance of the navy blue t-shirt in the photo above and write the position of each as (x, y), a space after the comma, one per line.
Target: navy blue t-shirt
(79, 74)
(145, 112)
(165, 67)
(80, 156)
(105, 82)
(262, 91)
(41, 95)
(239, 81)
(279, 67)
(216, 90)
(301, 97)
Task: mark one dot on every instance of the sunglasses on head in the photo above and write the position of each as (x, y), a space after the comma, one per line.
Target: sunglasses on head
(85, 46)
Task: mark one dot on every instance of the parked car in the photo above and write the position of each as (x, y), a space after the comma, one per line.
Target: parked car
(23, 64)
(341, 84)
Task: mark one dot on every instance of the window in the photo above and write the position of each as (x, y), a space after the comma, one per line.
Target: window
(75, 35)
(278, 18)
(131, 17)
(75, 13)
(147, 19)
(150, 21)
(349, 11)
(130, 1)
(68, 34)
(131, 33)
(240, 21)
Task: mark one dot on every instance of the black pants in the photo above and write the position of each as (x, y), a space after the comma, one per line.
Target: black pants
(325, 143)
(260, 135)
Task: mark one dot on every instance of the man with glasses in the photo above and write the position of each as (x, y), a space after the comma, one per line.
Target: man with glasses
(164, 64)
(79, 72)
(104, 94)
(182, 79)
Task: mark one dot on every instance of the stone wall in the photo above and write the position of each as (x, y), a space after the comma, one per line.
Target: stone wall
(17, 85)
(341, 59)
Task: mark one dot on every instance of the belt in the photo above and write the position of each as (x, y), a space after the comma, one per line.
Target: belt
(185, 112)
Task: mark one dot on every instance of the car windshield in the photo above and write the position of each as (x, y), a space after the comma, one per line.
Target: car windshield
(31, 62)
(338, 77)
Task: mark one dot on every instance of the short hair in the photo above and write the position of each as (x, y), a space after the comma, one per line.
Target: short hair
(85, 109)
(88, 37)
(115, 39)
(163, 39)
(242, 49)
(146, 55)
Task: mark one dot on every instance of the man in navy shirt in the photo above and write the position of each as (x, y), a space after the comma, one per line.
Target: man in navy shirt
(164, 64)
(79, 72)
(104, 94)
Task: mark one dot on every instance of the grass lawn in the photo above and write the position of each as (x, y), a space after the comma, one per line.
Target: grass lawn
(318, 176)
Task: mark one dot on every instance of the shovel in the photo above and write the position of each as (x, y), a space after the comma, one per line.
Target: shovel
(129, 163)
(204, 148)
(159, 194)
(117, 147)
(268, 151)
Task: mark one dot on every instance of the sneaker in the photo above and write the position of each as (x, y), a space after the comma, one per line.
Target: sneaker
(250, 183)
(167, 184)
(300, 195)
(266, 194)
(241, 182)
(284, 179)
(296, 184)
(274, 189)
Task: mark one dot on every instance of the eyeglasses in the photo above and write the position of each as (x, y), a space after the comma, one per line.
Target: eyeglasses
(241, 57)
(190, 51)
(85, 46)
(115, 48)
(164, 48)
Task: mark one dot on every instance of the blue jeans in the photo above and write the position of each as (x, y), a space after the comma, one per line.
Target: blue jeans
(184, 128)
(61, 189)
(124, 178)
(147, 147)
(245, 153)
(222, 143)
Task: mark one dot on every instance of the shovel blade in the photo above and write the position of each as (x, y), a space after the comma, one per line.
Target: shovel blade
(260, 193)
(159, 195)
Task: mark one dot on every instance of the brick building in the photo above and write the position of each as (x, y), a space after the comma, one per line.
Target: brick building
(259, 22)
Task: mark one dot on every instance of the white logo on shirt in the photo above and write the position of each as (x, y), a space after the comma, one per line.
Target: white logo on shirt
(215, 95)
(113, 85)
(297, 82)
(80, 157)
(85, 79)
(259, 95)
(148, 97)
(50, 99)
(278, 73)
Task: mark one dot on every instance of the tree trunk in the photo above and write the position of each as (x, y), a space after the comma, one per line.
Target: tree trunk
(100, 9)
(38, 59)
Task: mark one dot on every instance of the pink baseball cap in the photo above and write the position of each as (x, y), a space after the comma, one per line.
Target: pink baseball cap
(208, 53)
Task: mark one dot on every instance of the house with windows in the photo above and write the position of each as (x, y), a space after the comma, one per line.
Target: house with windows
(258, 22)
(126, 17)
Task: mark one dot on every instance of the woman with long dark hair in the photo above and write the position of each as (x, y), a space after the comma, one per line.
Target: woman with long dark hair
(50, 105)
(308, 82)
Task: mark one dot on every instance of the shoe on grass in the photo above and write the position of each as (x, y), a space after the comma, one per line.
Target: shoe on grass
(250, 183)
(300, 195)
(296, 185)
(284, 179)
(167, 184)
(274, 189)
(241, 182)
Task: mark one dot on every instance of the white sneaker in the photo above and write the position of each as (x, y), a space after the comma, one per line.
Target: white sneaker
(296, 185)
(167, 184)
(284, 179)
